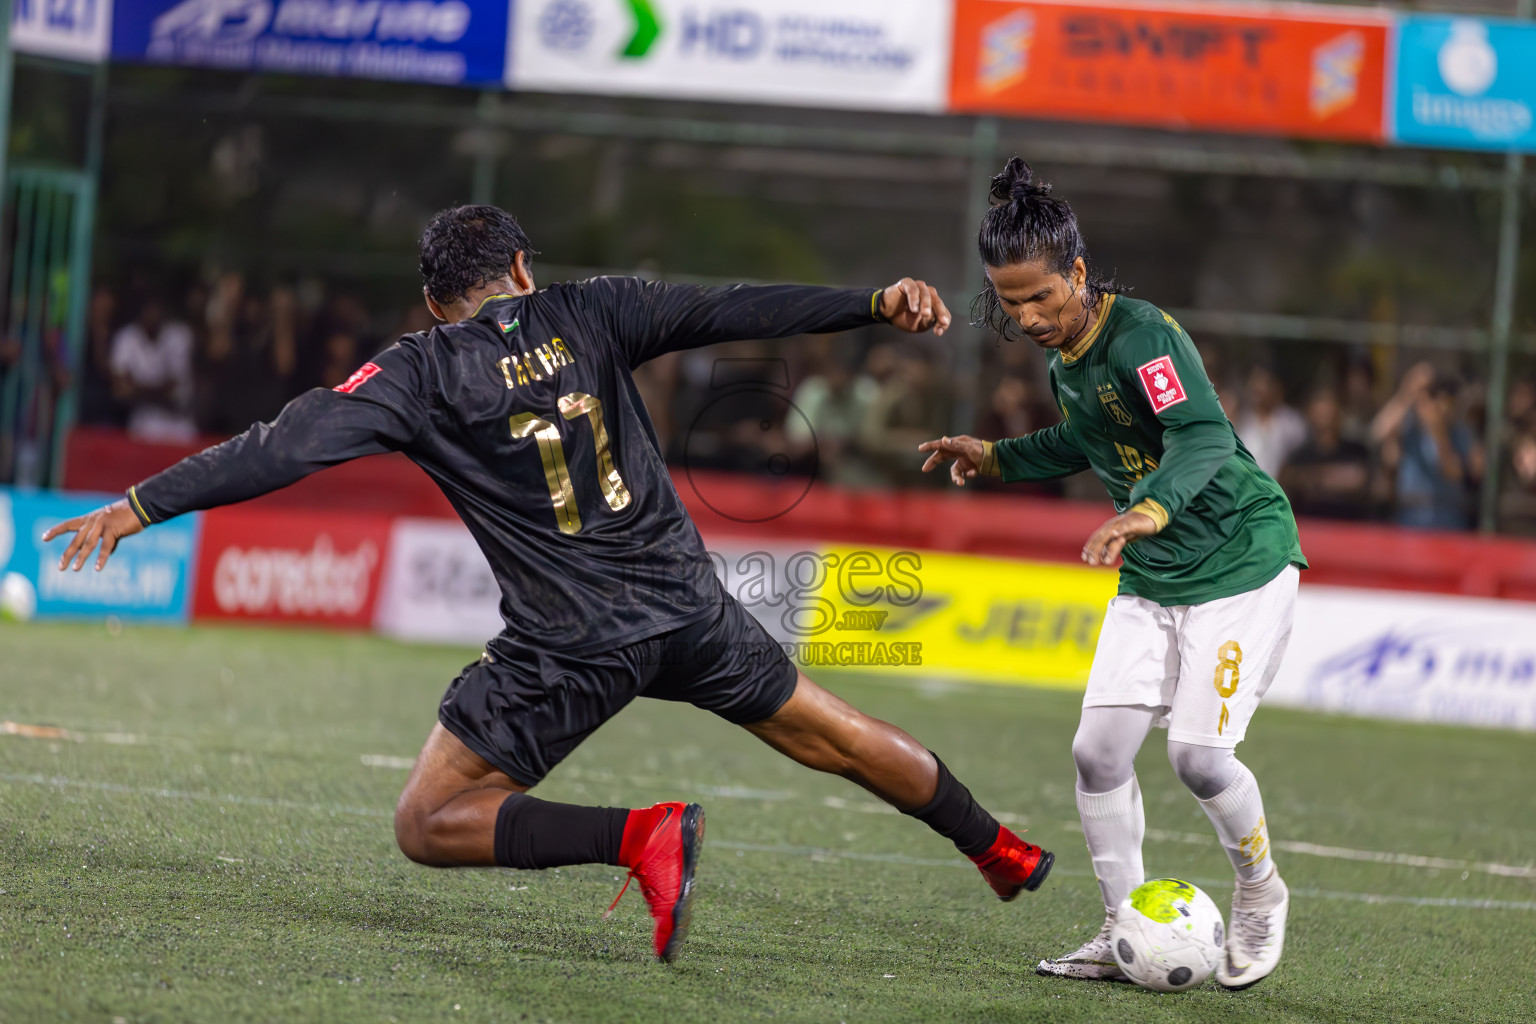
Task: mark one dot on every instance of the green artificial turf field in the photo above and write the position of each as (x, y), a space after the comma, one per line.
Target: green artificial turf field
(210, 840)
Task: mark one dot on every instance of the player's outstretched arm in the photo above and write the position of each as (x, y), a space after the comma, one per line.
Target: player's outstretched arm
(649, 318)
(378, 410)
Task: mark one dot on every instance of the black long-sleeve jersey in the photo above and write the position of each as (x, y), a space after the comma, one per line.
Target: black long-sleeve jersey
(528, 419)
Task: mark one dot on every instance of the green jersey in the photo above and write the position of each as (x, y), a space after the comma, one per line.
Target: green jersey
(1141, 413)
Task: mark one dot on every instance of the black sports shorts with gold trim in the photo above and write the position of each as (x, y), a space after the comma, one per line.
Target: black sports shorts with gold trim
(525, 709)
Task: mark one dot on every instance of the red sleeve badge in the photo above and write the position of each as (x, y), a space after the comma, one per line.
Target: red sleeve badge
(361, 374)
(1161, 382)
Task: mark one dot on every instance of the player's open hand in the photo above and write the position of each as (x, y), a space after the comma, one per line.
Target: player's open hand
(1104, 547)
(914, 306)
(105, 526)
(966, 451)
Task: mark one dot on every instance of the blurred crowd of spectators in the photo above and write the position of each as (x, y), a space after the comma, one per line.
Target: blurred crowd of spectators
(173, 365)
(1359, 443)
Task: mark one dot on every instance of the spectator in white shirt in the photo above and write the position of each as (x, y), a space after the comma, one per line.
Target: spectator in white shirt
(1270, 429)
(152, 375)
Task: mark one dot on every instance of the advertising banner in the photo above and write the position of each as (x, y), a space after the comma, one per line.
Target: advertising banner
(71, 29)
(1465, 82)
(1426, 658)
(442, 42)
(313, 568)
(1283, 69)
(147, 580)
(437, 586)
(874, 54)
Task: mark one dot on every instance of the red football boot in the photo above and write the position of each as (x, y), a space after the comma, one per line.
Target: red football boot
(661, 848)
(1012, 865)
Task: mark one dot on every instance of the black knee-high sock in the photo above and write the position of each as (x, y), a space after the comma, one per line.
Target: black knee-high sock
(534, 833)
(954, 814)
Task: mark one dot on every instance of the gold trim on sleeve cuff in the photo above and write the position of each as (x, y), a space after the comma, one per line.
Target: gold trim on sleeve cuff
(874, 304)
(1153, 511)
(989, 465)
(138, 510)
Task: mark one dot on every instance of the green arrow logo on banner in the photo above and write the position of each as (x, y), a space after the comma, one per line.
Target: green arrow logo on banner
(647, 28)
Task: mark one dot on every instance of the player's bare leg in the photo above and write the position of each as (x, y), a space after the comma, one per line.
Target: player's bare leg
(458, 810)
(825, 732)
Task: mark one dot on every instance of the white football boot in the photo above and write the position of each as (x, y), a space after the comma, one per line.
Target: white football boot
(1094, 960)
(1255, 933)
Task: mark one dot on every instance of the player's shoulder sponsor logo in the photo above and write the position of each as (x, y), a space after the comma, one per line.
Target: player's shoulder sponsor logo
(1117, 410)
(361, 374)
(1162, 384)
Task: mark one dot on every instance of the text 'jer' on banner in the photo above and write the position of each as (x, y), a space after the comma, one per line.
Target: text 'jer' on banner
(957, 616)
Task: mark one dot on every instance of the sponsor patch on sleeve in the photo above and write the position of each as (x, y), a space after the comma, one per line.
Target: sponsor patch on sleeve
(1161, 382)
(361, 374)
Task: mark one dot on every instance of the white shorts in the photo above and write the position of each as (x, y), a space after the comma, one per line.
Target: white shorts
(1206, 665)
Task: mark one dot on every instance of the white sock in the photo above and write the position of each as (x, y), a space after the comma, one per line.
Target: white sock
(1113, 824)
(1238, 814)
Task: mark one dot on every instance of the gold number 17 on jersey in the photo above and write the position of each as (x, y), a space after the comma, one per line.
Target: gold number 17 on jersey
(552, 454)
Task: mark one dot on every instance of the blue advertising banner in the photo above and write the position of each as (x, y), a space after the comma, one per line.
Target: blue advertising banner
(442, 42)
(1465, 82)
(149, 578)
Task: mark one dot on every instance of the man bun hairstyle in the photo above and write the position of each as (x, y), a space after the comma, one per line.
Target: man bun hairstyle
(1026, 224)
(466, 246)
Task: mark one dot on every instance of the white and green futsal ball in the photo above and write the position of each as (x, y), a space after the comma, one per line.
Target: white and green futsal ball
(1168, 935)
(18, 598)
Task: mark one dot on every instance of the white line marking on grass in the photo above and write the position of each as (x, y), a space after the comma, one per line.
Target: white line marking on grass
(52, 732)
(825, 856)
(814, 853)
(1411, 860)
(388, 761)
(774, 795)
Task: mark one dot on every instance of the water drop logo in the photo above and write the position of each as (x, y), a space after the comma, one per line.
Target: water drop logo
(1467, 61)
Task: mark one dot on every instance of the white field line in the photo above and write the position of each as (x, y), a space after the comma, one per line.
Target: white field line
(827, 856)
(744, 793)
(814, 853)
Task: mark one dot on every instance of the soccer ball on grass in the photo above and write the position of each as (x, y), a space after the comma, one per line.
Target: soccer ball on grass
(1168, 935)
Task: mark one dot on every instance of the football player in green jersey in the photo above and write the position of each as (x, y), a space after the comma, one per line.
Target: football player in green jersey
(1211, 559)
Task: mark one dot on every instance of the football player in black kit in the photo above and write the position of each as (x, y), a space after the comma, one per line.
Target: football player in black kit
(521, 407)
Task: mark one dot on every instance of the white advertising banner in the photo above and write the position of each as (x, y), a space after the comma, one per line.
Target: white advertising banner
(71, 29)
(864, 54)
(1428, 658)
(437, 586)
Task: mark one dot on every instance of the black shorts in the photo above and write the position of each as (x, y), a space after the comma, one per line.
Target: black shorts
(524, 710)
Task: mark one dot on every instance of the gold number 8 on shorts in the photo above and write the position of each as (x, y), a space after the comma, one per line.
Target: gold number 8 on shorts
(1228, 657)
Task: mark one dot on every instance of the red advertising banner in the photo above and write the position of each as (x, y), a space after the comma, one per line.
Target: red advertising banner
(273, 566)
(1284, 69)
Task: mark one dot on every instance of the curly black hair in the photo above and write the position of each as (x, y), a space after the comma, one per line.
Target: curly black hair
(1027, 224)
(468, 246)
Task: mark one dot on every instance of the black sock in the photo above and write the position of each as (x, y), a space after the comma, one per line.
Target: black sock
(954, 814)
(534, 833)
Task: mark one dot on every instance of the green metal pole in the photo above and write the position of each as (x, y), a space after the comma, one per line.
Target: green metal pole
(83, 234)
(482, 190)
(7, 69)
(1498, 339)
(1504, 280)
(968, 340)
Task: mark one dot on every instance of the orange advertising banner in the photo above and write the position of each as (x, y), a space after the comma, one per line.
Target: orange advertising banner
(1283, 69)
